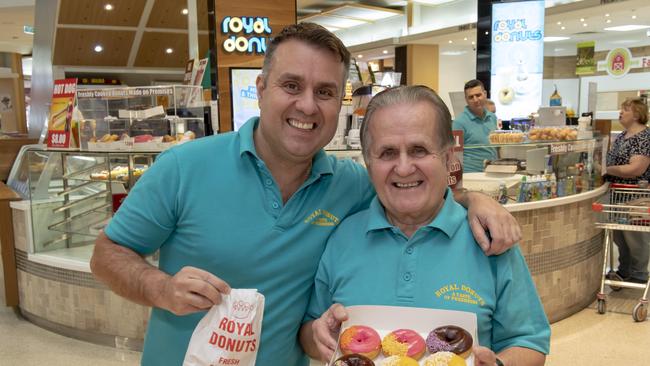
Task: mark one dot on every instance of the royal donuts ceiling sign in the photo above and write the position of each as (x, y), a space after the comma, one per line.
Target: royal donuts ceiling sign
(245, 34)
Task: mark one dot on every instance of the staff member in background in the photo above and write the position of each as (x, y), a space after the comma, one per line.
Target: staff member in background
(250, 209)
(490, 106)
(628, 161)
(476, 122)
(414, 241)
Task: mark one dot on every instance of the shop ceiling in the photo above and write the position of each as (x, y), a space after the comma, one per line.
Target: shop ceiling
(141, 33)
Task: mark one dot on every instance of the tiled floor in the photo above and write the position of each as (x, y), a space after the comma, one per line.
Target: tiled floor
(584, 339)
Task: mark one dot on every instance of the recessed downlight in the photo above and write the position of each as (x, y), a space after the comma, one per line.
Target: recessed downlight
(185, 11)
(98, 48)
(108, 7)
(169, 50)
(384, 52)
(563, 28)
(608, 21)
(360, 56)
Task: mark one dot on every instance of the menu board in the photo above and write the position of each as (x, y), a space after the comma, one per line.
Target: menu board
(59, 124)
(243, 94)
(517, 57)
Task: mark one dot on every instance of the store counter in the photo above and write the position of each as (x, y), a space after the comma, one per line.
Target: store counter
(563, 250)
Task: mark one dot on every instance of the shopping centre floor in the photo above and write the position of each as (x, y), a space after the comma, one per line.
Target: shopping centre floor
(584, 339)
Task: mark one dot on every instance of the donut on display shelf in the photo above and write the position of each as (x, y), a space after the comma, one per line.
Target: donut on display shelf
(450, 338)
(444, 359)
(353, 360)
(403, 342)
(360, 339)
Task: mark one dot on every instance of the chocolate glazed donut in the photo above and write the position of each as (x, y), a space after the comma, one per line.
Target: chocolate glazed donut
(458, 338)
(353, 360)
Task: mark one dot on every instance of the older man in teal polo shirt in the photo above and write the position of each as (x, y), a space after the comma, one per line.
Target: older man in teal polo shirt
(251, 209)
(476, 122)
(414, 241)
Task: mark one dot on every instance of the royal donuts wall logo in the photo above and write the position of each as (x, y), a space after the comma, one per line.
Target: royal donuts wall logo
(515, 30)
(242, 309)
(247, 34)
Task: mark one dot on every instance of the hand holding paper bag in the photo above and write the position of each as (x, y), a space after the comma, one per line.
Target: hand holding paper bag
(229, 334)
(191, 290)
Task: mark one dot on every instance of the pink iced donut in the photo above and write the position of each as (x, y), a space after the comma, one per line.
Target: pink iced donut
(403, 342)
(360, 339)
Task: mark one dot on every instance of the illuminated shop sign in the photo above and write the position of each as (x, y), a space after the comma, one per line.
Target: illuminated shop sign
(619, 61)
(517, 57)
(247, 34)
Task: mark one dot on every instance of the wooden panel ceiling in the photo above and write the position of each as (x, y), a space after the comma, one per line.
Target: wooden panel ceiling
(167, 14)
(76, 47)
(125, 13)
(153, 46)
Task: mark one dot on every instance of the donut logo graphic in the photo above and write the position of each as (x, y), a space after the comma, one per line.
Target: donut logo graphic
(242, 309)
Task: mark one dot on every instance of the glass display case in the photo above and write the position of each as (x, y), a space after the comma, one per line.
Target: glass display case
(73, 195)
(533, 169)
(151, 118)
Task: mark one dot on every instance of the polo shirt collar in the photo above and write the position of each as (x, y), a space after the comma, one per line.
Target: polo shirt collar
(448, 220)
(321, 165)
(472, 116)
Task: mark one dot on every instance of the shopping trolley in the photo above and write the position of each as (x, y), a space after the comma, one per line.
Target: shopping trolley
(627, 207)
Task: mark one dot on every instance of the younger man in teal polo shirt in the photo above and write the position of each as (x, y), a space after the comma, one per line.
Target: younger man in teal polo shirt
(476, 122)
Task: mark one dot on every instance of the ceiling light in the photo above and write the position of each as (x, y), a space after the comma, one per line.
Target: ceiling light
(559, 23)
(99, 48)
(563, 28)
(627, 28)
(486, 33)
(108, 7)
(450, 41)
(582, 19)
(453, 53)
(184, 11)
(608, 21)
(584, 24)
(607, 14)
(555, 39)
(169, 50)
(384, 52)
(473, 42)
(634, 16)
(465, 39)
(359, 56)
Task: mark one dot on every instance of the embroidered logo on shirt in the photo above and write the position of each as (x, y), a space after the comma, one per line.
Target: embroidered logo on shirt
(459, 293)
(322, 217)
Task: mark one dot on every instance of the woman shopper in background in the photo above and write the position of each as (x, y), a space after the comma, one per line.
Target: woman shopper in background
(628, 162)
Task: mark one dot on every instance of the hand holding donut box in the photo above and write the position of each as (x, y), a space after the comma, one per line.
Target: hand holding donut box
(403, 336)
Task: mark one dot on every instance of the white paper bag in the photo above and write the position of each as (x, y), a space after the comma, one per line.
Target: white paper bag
(229, 334)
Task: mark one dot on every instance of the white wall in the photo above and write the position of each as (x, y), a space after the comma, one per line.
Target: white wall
(455, 70)
(637, 81)
(444, 16)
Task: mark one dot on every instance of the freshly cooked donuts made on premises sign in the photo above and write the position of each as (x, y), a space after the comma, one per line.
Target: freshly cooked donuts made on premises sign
(399, 361)
(403, 342)
(450, 338)
(444, 359)
(361, 340)
(353, 360)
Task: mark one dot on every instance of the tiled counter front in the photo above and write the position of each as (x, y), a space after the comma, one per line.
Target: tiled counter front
(564, 253)
(72, 303)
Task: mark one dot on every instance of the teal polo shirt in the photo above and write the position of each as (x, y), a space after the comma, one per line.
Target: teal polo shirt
(475, 132)
(213, 204)
(370, 262)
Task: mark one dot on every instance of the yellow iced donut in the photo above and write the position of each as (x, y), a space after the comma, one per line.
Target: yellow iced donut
(399, 361)
(444, 359)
